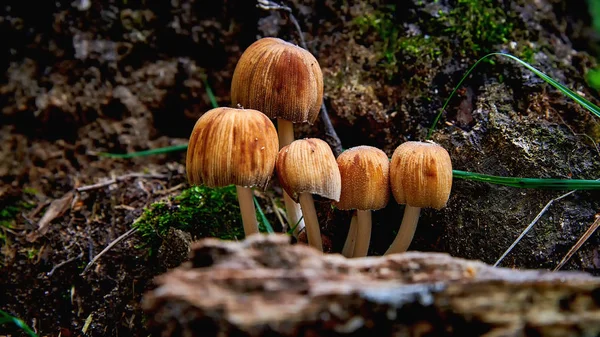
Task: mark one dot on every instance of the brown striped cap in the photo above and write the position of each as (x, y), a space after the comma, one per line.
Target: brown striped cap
(232, 146)
(309, 166)
(421, 174)
(365, 172)
(279, 79)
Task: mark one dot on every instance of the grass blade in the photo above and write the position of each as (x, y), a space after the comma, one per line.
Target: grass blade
(536, 183)
(566, 91)
(292, 229)
(7, 318)
(263, 219)
(150, 152)
(209, 92)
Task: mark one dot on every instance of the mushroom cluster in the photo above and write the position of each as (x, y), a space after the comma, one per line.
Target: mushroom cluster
(240, 145)
(284, 82)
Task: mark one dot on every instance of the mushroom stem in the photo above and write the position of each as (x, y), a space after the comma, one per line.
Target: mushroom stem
(406, 231)
(246, 201)
(313, 231)
(363, 233)
(285, 131)
(348, 250)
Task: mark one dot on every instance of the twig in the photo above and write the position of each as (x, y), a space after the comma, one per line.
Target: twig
(120, 178)
(531, 226)
(580, 242)
(170, 190)
(63, 263)
(331, 136)
(112, 244)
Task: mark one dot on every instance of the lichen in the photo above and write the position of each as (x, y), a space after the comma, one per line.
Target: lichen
(199, 210)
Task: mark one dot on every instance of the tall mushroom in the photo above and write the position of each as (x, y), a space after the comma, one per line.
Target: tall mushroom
(233, 146)
(307, 167)
(285, 82)
(365, 187)
(420, 176)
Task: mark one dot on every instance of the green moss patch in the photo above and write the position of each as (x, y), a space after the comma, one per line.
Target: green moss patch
(199, 210)
(407, 37)
(11, 206)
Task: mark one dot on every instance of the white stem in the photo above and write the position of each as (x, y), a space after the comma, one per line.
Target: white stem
(294, 213)
(313, 231)
(246, 201)
(348, 249)
(406, 231)
(285, 131)
(363, 233)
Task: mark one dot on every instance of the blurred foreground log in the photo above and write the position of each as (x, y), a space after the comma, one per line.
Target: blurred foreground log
(266, 287)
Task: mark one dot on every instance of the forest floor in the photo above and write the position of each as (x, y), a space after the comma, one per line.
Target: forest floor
(82, 235)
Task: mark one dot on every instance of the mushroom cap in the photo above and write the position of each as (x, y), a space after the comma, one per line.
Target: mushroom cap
(309, 166)
(279, 79)
(421, 174)
(232, 146)
(365, 178)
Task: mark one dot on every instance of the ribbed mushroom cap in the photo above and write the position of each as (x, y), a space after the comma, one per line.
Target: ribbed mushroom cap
(279, 79)
(232, 146)
(365, 178)
(308, 165)
(421, 175)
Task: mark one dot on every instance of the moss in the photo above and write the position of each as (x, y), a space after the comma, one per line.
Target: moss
(11, 208)
(471, 28)
(199, 210)
(479, 25)
(391, 42)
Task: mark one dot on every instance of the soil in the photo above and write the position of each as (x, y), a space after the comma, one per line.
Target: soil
(86, 77)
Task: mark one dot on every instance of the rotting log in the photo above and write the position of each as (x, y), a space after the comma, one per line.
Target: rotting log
(264, 286)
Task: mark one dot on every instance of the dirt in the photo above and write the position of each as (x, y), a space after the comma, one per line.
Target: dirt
(86, 77)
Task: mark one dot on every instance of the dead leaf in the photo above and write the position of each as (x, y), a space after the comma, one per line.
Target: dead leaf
(56, 209)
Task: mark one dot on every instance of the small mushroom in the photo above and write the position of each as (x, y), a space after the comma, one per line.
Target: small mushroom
(365, 187)
(285, 82)
(348, 249)
(233, 146)
(307, 167)
(420, 176)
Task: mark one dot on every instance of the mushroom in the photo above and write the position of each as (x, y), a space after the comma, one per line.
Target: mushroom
(284, 82)
(365, 187)
(420, 176)
(233, 146)
(348, 249)
(306, 167)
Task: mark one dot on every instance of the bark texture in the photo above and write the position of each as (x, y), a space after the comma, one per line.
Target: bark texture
(266, 287)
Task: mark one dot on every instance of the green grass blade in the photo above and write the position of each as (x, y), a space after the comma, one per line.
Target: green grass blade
(536, 183)
(7, 318)
(209, 92)
(566, 91)
(291, 230)
(151, 152)
(263, 219)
